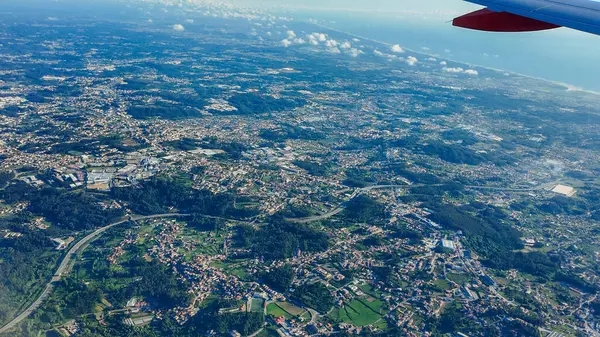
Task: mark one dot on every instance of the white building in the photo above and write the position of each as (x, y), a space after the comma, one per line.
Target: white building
(564, 190)
(448, 244)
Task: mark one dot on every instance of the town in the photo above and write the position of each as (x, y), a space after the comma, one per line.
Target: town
(239, 173)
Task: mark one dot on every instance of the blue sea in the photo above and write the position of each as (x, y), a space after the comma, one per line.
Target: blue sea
(561, 55)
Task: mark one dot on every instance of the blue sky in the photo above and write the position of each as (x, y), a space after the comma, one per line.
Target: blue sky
(372, 5)
(561, 55)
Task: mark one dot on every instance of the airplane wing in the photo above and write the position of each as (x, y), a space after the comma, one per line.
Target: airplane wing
(532, 15)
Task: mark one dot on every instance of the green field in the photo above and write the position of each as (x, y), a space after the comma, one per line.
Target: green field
(381, 325)
(290, 308)
(268, 332)
(305, 316)
(149, 230)
(206, 243)
(208, 301)
(373, 303)
(287, 310)
(442, 285)
(356, 313)
(239, 272)
(368, 289)
(218, 264)
(458, 278)
(275, 311)
(257, 305)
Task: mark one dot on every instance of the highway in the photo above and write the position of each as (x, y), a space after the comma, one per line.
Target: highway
(341, 207)
(62, 268)
(64, 265)
(359, 191)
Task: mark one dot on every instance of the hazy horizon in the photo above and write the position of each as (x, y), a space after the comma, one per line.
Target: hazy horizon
(560, 55)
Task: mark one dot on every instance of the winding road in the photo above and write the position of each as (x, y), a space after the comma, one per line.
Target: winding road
(64, 265)
(359, 191)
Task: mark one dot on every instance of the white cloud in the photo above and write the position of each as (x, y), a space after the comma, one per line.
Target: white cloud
(52, 18)
(189, 21)
(334, 50)
(269, 34)
(291, 34)
(453, 70)
(431, 59)
(356, 40)
(331, 43)
(315, 38)
(354, 52)
(286, 43)
(346, 45)
(411, 60)
(178, 28)
(426, 48)
(390, 57)
(458, 70)
(150, 21)
(443, 63)
(397, 49)
(299, 40)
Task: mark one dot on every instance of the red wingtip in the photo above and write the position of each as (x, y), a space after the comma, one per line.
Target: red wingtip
(487, 20)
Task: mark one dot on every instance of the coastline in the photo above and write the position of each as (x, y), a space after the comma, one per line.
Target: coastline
(567, 86)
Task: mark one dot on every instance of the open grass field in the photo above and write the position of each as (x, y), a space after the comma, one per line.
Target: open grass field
(374, 303)
(290, 308)
(240, 273)
(458, 278)
(218, 264)
(145, 234)
(370, 290)
(210, 299)
(268, 332)
(443, 285)
(305, 316)
(356, 313)
(276, 311)
(257, 305)
(381, 325)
